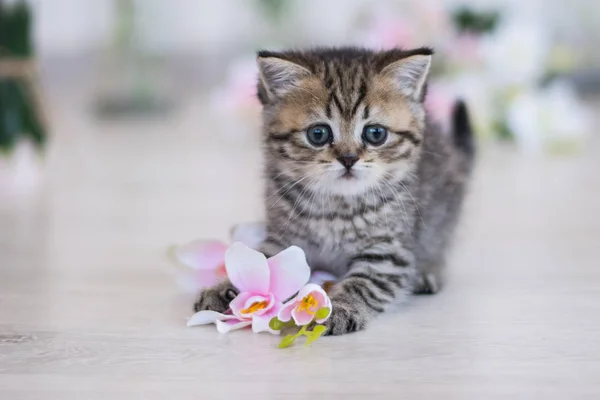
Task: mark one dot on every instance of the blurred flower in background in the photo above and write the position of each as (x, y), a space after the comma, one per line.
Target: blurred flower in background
(147, 55)
(549, 119)
(497, 61)
(237, 95)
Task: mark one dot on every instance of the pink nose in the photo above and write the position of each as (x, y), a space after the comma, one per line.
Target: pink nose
(348, 160)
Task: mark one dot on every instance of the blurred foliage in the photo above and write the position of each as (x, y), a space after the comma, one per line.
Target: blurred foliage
(19, 117)
(500, 126)
(130, 88)
(124, 30)
(467, 20)
(275, 9)
(15, 27)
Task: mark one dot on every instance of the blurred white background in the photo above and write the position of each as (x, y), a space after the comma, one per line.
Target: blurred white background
(190, 48)
(154, 140)
(69, 27)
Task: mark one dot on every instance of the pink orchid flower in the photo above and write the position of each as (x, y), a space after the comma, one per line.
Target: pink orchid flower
(263, 285)
(305, 305)
(206, 258)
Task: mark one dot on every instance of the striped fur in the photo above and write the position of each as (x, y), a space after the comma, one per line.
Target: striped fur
(384, 224)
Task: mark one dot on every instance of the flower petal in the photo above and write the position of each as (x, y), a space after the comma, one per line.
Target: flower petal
(205, 278)
(319, 294)
(239, 303)
(201, 254)
(207, 317)
(311, 288)
(245, 300)
(285, 314)
(231, 325)
(289, 271)
(270, 299)
(260, 323)
(252, 234)
(301, 317)
(320, 277)
(247, 269)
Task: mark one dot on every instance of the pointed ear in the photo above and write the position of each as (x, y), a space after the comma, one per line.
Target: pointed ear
(278, 76)
(410, 74)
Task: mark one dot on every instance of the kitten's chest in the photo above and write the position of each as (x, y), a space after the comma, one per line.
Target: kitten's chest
(332, 232)
(330, 244)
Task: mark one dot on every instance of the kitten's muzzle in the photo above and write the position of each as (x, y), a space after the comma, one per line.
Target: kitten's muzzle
(348, 160)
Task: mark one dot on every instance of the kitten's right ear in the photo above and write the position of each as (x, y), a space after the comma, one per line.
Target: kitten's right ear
(277, 76)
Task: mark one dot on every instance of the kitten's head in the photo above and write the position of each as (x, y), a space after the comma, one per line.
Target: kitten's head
(343, 120)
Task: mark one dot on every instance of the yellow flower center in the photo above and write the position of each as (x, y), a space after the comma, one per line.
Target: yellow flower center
(254, 307)
(309, 304)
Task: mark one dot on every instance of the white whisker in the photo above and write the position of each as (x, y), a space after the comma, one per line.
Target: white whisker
(303, 177)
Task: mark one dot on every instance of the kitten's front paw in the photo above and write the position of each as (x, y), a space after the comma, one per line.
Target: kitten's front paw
(426, 283)
(216, 298)
(344, 319)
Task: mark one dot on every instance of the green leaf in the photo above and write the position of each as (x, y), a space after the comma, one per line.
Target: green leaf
(319, 329)
(316, 333)
(276, 324)
(287, 341)
(323, 313)
(289, 323)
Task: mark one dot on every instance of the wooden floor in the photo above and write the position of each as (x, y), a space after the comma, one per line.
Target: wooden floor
(89, 310)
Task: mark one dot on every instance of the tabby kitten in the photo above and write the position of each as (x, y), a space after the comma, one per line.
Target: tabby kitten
(357, 176)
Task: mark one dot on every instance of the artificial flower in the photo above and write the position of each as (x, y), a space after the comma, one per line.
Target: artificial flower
(263, 285)
(235, 101)
(206, 258)
(225, 322)
(549, 119)
(304, 307)
(517, 53)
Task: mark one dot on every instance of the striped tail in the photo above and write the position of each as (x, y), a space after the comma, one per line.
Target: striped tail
(461, 129)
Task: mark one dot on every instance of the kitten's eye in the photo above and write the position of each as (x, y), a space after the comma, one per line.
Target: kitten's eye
(375, 134)
(319, 135)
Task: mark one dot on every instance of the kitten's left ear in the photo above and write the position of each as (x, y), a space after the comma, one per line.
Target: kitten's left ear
(277, 76)
(410, 74)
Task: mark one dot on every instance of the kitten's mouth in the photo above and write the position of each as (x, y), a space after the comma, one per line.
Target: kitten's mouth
(348, 175)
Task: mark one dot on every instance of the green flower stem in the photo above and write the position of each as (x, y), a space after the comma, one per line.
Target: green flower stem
(301, 332)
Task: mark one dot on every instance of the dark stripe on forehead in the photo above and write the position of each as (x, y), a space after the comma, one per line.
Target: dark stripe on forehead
(327, 78)
(359, 77)
(336, 101)
(341, 79)
(329, 81)
(366, 112)
(362, 92)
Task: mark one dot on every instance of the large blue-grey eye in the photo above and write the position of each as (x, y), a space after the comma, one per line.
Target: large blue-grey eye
(319, 135)
(375, 135)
